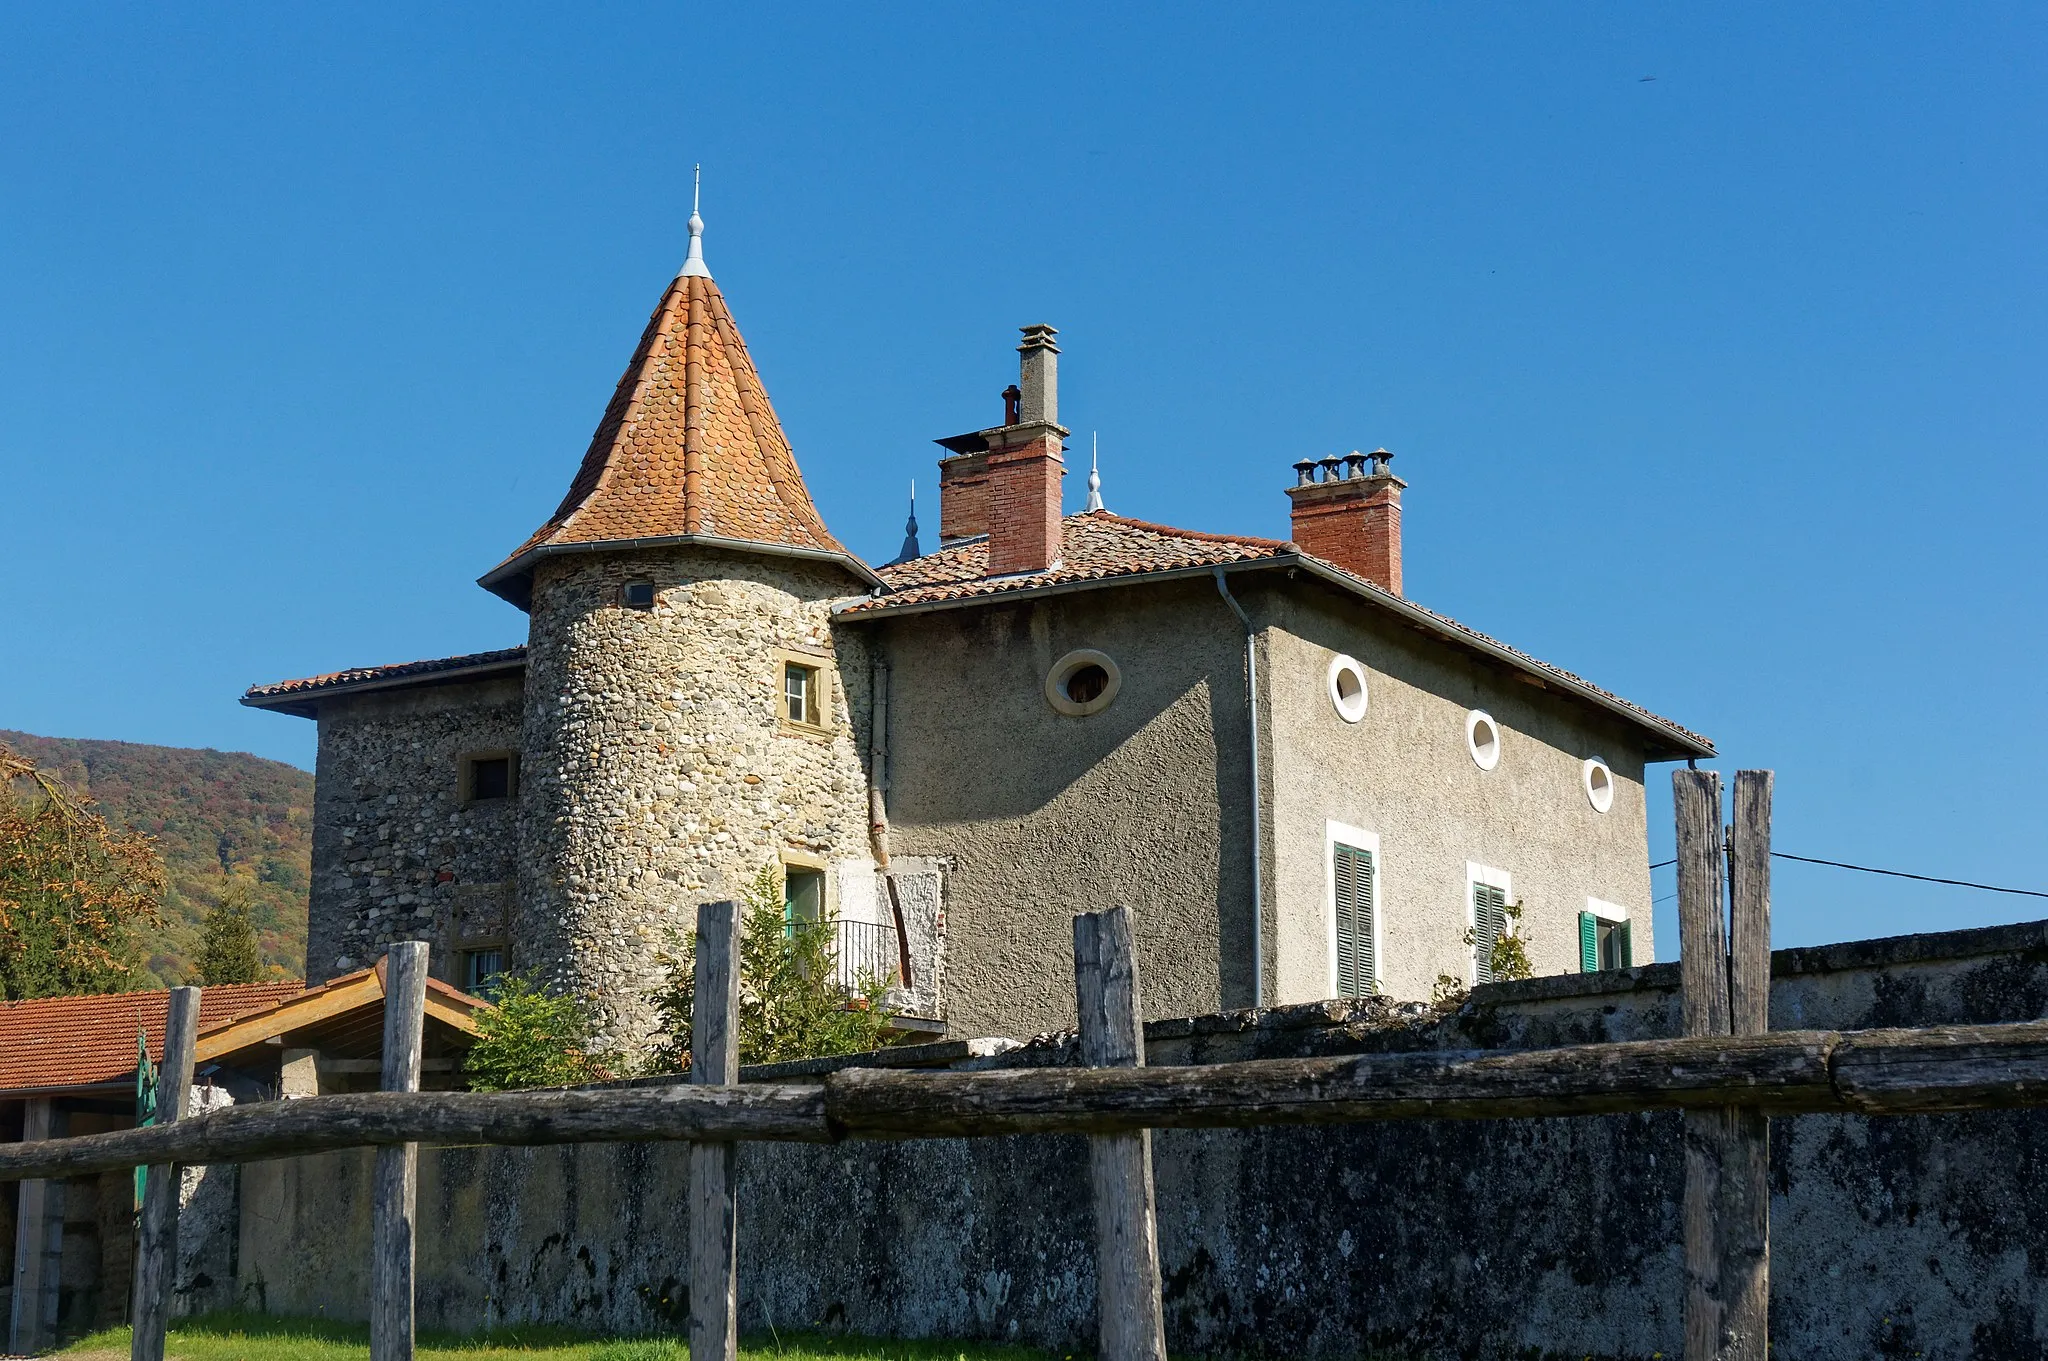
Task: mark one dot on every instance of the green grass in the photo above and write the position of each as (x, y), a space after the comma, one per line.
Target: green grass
(259, 1337)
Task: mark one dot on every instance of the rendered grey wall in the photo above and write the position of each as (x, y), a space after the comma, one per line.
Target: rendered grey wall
(1900, 1237)
(394, 849)
(1403, 771)
(1041, 815)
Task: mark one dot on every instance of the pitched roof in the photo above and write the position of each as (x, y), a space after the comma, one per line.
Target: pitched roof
(343, 1016)
(1099, 548)
(76, 1041)
(689, 448)
(295, 696)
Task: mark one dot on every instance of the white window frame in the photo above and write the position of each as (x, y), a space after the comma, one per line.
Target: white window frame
(1476, 874)
(1608, 912)
(1369, 842)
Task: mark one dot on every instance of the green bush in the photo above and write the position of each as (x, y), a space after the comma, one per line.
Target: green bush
(535, 1037)
(792, 1005)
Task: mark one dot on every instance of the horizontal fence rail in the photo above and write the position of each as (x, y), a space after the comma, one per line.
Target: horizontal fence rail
(1787, 1072)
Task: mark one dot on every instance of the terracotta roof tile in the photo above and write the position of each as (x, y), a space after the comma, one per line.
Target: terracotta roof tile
(639, 478)
(1100, 546)
(505, 657)
(71, 1041)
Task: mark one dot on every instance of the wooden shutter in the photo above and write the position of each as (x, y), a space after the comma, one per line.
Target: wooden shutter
(1352, 876)
(1621, 937)
(1489, 919)
(1589, 943)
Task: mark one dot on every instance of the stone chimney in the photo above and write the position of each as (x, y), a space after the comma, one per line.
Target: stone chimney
(1005, 481)
(1349, 516)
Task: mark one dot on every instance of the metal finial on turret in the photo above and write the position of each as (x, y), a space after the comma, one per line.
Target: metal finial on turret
(1095, 472)
(910, 547)
(694, 267)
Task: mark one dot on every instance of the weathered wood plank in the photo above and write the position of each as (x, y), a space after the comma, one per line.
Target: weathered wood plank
(1703, 1011)
(316, 1124)
(715, 1061)
(1786, 1071)
(1943, 1068)
(394, 1193)
(156, 1249)
(1744, 1210)
(1130, 1318)
(25, 1327)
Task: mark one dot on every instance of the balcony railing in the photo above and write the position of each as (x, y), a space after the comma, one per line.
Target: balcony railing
(867, 952)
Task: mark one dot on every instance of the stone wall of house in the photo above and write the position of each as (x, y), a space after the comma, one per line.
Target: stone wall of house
(397, 852)
(1905, 1236)
(658, 772)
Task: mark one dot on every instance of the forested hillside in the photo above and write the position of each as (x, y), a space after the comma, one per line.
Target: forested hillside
(213, 813)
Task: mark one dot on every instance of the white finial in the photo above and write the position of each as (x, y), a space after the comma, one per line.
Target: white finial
(694, 267)
(1095, 472)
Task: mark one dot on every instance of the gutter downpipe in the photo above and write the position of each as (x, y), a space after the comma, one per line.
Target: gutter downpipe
(1251, 713)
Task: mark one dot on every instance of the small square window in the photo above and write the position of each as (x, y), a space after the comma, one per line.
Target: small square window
(639, 595)
(800, 694)
(489, 775)
(481, 970)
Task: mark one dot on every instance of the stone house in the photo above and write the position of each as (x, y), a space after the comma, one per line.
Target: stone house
(1305, 784)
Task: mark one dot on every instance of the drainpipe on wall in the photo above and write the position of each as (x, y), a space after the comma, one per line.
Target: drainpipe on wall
(1251, 714)
(878, 809)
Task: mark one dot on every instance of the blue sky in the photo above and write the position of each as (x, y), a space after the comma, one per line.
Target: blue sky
(1710, 340)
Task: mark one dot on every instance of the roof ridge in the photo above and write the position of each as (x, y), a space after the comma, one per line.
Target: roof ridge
(1178, 532)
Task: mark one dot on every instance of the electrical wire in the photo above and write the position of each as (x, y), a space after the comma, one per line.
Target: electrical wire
(1870, 869)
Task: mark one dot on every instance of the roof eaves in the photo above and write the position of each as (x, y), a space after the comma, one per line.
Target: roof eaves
(860, 607)
(503, 580)
(304, 702)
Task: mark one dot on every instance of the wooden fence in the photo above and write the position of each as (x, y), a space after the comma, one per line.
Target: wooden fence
(1728, 1073)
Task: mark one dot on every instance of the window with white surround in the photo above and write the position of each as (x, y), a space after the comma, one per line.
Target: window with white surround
(1604, 941)
(1083, 682)
(1488, 892)
(1347, 688)
(1482, 739)
(1351, 868)
(1599, 784)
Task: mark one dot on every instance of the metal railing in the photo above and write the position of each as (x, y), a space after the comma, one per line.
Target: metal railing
(866, 952)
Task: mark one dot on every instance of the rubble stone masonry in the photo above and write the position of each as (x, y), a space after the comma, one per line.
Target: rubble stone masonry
(397, 855)
(658, 770)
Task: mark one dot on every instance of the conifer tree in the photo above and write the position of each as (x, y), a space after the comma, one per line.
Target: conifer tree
(227, 949)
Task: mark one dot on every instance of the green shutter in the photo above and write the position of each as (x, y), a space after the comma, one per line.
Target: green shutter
(1489, 919)
(1621, 935)
(1352, 878)
(1589, 943)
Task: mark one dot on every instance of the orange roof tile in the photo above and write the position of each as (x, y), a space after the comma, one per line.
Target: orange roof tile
(293, 696)
(74, 1041)
(1100, 547)
(689, 446)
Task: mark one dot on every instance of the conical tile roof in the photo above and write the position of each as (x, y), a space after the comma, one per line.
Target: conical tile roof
(689, 449)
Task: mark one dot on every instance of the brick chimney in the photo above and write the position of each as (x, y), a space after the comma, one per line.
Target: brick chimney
(1005, 481)
(1349, 516)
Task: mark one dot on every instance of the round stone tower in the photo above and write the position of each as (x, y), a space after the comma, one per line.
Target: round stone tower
(689, 718)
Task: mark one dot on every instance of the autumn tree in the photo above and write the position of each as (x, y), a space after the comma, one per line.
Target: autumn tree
(74, 891)
(227, 945)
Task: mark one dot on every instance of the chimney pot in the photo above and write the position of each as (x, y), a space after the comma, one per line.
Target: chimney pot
(1329, 466)
(1305, 473)
(1380, 459)
(1354, 465)
(1013, 398)
(1039, 377)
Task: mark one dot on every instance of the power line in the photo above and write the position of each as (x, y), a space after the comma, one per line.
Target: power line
(1895, 874)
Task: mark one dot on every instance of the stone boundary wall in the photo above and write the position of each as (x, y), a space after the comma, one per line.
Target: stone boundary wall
(1903, 1236)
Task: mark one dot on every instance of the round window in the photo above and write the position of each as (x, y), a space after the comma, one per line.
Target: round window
(1347, 688)
(1482, 739)
(1082, 682)
(1599, 781)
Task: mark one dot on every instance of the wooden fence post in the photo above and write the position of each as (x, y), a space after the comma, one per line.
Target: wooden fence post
(394, 1191)
(32, 1222)
(715, 1059)
(1727, 1150)
(1130, 1319)
(156, 1255)
(1746, 1174)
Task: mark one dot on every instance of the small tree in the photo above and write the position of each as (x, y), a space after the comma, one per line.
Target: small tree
(227, 946)
(534, 1037)
(792, 1003)
(74, 891)
(1508, 957)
